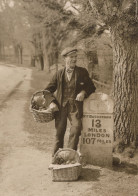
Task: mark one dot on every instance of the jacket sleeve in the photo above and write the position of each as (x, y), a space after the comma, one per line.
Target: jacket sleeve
(52, 85)
(89, 85)
(50, 89)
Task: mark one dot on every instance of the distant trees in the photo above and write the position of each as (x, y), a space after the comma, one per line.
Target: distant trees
(46, 24)
(14, 27)
(56, 20)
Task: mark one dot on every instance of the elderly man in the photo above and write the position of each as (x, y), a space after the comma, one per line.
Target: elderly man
(72, 84)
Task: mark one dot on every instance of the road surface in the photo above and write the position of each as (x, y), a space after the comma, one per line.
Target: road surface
(11, 77)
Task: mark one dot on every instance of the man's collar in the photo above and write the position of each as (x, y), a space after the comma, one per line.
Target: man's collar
(69, 70)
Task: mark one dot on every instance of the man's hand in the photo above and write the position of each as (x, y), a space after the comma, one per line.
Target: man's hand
(81, 96)
(53, 107)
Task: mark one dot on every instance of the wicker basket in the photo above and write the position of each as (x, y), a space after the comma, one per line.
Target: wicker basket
(69, 172)
(38, 115)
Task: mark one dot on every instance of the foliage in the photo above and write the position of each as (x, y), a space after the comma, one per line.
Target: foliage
(47, 23)
(57, 22)
(14, 27)
(122, 14)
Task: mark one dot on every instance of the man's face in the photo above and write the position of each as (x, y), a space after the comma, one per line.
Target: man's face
(71, 60)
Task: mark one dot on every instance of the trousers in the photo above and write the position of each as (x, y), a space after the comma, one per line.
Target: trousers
(69, 111)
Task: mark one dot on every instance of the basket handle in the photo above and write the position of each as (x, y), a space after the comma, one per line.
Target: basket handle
(36, 93)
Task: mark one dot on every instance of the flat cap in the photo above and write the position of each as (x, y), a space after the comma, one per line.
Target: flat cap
(68, 50)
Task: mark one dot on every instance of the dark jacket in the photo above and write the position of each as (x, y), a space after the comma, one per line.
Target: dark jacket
(82, 82)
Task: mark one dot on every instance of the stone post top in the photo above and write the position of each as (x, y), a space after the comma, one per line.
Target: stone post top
(98, 103)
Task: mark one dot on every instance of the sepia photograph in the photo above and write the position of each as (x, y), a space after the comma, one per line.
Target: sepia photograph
(69, 98)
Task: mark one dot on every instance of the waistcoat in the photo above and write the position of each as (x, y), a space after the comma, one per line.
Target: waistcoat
(68, 89)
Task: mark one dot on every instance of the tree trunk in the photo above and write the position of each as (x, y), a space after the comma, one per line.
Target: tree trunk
(56, 59)
(33, 61)
(45, 51)
(21, 54)
(41, 62)
(3, 51)
(125, 52)
(0, 50)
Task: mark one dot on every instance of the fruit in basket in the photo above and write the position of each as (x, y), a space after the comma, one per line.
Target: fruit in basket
(65, 157)
(68, 155)
(59, 161)
(38, 102)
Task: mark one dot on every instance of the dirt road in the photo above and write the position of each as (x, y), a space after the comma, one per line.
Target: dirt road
(25, 154)
(10, 77)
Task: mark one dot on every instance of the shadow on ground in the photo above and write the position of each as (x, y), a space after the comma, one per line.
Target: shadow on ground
(128, 168)
(89, 174)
